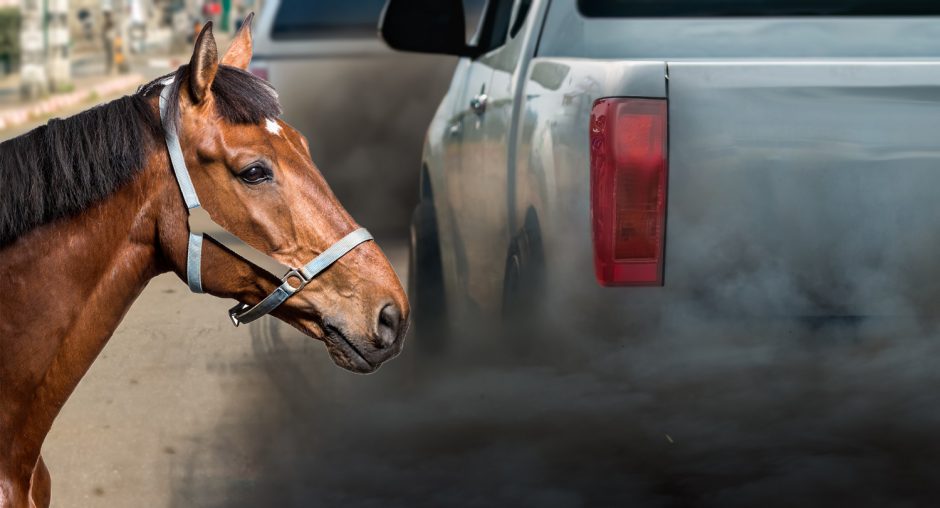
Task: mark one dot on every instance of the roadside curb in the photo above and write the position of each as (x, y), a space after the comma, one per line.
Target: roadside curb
(18, 116)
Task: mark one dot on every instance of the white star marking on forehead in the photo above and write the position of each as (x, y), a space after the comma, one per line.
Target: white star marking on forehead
(272, 126)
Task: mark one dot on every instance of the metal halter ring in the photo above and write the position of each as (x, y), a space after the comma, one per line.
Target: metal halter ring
(294, 272)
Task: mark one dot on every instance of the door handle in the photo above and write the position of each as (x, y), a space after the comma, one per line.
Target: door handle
(478, 103)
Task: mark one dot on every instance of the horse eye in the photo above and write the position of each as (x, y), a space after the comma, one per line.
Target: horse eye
(254, 174)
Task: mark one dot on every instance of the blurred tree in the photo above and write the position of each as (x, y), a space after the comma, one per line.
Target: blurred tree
(226, 14)
(10, 20)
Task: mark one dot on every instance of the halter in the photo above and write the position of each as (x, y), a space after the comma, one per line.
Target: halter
(201, 224)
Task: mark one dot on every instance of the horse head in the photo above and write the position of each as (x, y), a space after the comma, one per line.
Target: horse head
(255, 177)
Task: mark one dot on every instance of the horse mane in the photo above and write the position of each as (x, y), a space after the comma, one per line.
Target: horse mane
(67, 165)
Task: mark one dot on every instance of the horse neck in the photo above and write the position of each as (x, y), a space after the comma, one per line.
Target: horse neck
(67, 285)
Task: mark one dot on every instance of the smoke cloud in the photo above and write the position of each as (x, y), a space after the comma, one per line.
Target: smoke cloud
(686, 407)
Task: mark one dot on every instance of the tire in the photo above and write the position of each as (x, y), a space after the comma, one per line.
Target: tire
(426, 282)
(524, 277)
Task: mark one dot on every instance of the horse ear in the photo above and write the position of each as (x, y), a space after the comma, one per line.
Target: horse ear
(239, 52)
(203, 65)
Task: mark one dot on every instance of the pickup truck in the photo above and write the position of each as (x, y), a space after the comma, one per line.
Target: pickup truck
(630, 160)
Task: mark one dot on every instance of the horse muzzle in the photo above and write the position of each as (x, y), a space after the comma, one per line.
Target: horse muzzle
(364, 352)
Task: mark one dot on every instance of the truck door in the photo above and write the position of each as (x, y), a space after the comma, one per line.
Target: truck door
(477, 189)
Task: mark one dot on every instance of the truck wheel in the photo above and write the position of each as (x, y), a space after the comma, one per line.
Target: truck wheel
(426, 281)
(524, 276)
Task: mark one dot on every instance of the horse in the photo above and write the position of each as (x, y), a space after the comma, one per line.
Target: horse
(95, 205)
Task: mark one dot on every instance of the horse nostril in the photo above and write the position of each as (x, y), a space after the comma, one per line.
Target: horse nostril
(389, 325)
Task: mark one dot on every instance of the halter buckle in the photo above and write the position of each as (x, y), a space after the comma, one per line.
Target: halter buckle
(294, 272)
(237, 310)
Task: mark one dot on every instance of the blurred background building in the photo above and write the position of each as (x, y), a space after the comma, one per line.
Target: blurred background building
(60, 56)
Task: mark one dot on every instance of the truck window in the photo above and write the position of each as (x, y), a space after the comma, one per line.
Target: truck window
(473, 16)
(506, 57)
(318, 19)
(717, 8)
(519, 15)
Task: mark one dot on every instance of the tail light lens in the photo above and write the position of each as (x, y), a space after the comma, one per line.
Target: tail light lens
(628, 190)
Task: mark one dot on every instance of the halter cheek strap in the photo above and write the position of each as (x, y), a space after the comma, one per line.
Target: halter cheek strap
(201, 224)
(194, 250)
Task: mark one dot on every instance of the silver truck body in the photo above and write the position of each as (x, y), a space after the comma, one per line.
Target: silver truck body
(803, 162)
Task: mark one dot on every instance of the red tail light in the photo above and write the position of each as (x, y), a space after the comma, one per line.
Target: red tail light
(628, 190)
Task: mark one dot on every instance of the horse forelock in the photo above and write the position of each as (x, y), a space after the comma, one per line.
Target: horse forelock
(239, 96)
(64, 167)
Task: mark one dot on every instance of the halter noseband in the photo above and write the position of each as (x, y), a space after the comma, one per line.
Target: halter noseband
(201, 223)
